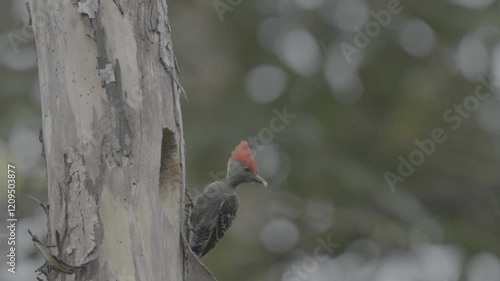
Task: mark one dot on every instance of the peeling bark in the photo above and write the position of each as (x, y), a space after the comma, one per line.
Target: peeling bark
(112, 135)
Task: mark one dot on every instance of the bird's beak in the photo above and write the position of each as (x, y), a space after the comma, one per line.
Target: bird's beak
(260, 180)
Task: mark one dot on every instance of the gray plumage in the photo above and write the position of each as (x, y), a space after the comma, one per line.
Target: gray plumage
(216, 207)
(214, 212)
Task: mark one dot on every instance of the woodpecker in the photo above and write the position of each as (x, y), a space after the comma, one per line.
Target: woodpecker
(215, 208)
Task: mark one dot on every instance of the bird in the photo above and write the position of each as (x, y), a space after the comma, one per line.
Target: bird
(215, 208)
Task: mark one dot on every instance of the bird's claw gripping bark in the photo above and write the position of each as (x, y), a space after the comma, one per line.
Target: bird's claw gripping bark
(189, 205)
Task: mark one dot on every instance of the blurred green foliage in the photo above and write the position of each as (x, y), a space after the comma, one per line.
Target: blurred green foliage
(353, 120)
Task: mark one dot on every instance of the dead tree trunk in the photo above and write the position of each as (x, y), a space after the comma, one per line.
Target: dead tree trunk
(112, 134)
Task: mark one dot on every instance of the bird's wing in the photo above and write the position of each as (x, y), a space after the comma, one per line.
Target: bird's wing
(204, 216)
(226, 215)
(206, 206)
(199, 239)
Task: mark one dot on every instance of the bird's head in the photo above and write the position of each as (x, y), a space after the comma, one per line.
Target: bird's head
(241, 167)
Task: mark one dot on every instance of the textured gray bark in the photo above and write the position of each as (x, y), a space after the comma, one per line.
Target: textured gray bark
(112, 133)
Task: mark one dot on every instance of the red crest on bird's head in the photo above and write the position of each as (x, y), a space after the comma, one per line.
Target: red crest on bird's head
(243, 155)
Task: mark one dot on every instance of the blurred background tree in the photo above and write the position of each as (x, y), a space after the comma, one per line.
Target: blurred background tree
(356, 116)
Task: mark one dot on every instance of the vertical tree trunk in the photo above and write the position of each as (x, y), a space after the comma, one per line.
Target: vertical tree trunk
(112, 132)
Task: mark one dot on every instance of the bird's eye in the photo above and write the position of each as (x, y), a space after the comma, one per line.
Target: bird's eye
(247, 169)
